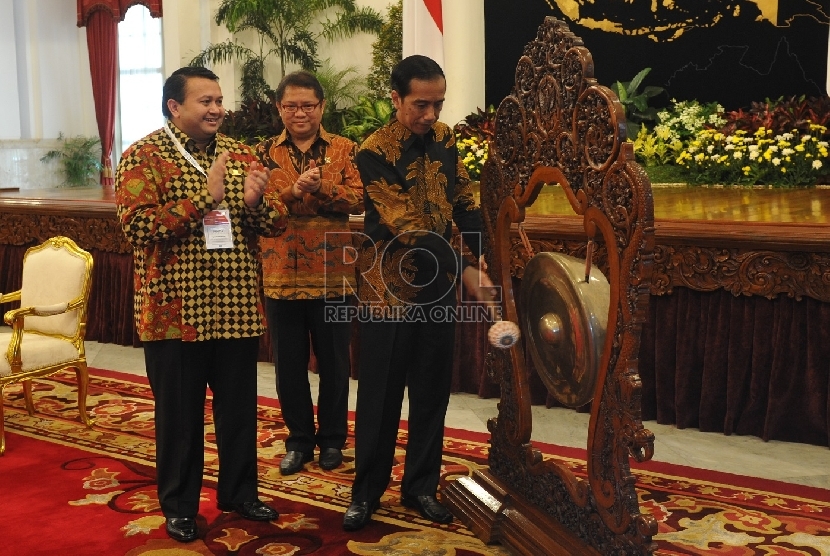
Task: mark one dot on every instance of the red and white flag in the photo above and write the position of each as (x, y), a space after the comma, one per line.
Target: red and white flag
(423, 29)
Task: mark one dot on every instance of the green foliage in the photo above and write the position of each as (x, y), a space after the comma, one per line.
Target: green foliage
(651, 150)
(387, 50)
(255, 121)
(284, 30)
(342, 88)
(635, 102)
(667, 173)
(365, 117)
(80, 158)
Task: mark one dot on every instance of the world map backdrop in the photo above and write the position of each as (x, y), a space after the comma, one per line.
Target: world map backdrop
(730, 51)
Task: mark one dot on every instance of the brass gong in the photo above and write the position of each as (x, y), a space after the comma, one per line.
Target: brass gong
(565, 318)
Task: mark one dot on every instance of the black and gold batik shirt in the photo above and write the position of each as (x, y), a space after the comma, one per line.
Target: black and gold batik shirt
(414, 189)
(182, 289)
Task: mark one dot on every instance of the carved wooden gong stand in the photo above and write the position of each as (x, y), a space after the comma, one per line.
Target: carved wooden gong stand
(560, 126)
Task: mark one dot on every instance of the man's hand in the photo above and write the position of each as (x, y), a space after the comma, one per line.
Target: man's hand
(216, 177)
(478, 284)
(308, 182)
(255, 183)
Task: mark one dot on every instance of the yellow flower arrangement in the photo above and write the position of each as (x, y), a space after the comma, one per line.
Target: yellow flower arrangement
(787, 159)
(473, 152)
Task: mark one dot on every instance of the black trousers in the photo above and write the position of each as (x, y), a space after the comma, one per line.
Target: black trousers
(394, 355)
(179, 373)
(291, 322)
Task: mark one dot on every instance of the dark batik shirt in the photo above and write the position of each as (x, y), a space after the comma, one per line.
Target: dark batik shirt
(414, 189)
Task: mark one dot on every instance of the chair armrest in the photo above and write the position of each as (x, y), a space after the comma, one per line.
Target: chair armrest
(37, 310)
(11, 296)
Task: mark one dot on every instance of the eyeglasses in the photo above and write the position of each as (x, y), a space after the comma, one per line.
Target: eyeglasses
(292, 108)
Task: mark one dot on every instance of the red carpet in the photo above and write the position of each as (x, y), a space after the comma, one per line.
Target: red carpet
(70, 490)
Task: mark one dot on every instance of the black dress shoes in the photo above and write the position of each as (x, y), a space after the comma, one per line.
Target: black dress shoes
(255, 510)
(330, 458)
(359, 514)
(293, 462)
(182, 529)
(429, 507)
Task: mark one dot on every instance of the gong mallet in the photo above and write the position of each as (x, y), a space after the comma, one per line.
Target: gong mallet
(503, 334)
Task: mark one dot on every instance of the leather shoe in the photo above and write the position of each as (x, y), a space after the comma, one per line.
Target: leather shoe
(182, 529)
(255, 510)
(359, 514)
(429, 507)
(293, 462)
(330, 458)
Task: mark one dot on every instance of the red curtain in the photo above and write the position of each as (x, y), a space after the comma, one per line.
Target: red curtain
(102, 41)
(101, 18)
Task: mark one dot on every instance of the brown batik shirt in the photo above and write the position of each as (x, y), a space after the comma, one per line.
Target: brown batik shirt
(314, 258)
(416, 187)
(182, 289)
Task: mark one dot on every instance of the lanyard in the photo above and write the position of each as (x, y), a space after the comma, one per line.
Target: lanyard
(187, 156)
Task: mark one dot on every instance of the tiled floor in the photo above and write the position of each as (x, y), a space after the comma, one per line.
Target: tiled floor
(747, 455)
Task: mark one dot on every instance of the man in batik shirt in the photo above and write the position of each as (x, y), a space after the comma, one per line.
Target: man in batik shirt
(306, 280)
(190, 201)
(415, 188)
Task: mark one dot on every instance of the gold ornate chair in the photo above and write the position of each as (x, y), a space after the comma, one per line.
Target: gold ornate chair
(48, 328)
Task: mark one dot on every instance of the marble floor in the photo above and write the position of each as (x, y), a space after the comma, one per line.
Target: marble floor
(746, 455)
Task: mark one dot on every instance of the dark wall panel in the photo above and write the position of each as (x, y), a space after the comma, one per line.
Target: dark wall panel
(733, 52)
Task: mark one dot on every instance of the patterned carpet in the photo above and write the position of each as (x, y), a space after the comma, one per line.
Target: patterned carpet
(71, 490)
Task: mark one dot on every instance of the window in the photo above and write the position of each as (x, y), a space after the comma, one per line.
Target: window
(140, 77)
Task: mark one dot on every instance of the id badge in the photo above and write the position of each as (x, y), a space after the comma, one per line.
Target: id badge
(218, 230)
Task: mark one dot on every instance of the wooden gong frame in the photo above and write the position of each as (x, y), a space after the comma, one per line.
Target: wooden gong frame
(559, 126)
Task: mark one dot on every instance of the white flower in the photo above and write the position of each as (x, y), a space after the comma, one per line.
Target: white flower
(816, 164)
(786, 152)
(776, 161)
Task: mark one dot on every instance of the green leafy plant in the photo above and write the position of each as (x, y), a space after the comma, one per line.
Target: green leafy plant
(342, 89)
(635, 102)
(284, 30)
(387, 50)
(80, 158)
(653, 150)
(365, 117)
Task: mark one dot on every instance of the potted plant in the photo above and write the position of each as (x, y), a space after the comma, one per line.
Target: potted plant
(286, 30)
(80, 157)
